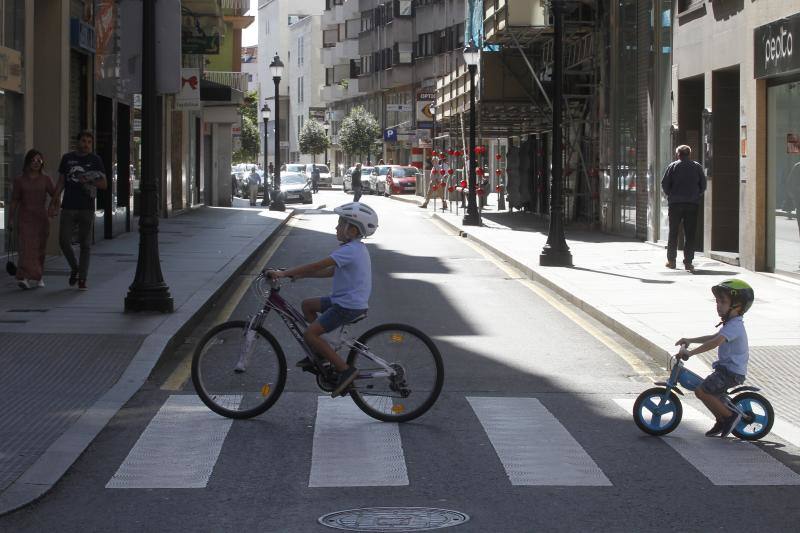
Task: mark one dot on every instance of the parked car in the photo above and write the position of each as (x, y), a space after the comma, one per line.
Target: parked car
(379, 175)
(296, 187)
(401, 180)
(293, 167)
(367, 180)
(325, 179)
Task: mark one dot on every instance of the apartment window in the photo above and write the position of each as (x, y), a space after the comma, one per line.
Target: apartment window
(300, 89)
(299, 124)
(329, 76)
(389, 11)
(402, 8)
(352, 28)
(355, 68)
(329, 38)
(460, 36)
(367, 20)
(402, 53)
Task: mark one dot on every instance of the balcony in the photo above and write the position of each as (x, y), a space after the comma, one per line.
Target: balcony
(505, 22)
(234, 80)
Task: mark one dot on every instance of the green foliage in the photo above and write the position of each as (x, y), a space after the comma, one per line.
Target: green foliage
(358, 132)
(251, 144)
(313, 139)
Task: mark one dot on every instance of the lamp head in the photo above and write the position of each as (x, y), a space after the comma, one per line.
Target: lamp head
(265, 112)
(471, 54)
(276, 67)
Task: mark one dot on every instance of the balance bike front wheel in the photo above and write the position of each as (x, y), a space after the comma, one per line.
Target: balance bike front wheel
(654, 415)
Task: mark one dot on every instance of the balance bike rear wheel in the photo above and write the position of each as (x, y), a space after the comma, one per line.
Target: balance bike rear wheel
(758, 418)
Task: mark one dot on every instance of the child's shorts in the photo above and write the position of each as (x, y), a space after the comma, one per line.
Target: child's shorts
(721, 380)
(334, 315)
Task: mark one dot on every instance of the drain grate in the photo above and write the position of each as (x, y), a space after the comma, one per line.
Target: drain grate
(388, 519)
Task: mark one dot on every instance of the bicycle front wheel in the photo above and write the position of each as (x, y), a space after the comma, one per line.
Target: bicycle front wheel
(238, 373)
(418, 379)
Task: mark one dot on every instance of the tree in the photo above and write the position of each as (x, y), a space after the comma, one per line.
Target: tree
(251, 144)
(358, 132)
(313, 139)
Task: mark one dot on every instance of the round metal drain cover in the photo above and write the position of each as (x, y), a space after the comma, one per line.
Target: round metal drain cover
(380, 519)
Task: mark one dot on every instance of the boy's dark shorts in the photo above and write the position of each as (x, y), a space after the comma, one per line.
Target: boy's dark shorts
(721, 380)
(334, 315)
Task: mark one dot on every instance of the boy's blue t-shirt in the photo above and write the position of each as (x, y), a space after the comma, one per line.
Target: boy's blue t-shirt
(352, 277)
(734, 353)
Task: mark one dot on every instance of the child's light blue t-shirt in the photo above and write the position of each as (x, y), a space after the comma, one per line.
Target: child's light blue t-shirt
(734, 353)
(352, 278)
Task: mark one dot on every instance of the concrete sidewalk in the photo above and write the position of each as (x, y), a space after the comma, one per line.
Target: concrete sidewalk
(72, 359)
(624, 284)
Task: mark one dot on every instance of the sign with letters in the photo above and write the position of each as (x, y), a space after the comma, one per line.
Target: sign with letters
(777, 50)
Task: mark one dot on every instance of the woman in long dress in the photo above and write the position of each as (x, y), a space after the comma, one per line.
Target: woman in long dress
(29, 204)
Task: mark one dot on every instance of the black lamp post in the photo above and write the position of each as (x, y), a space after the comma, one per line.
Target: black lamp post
(471, 58)
(555, 251)
(148, 292)
(276, 68)
(265, 117)
(432, 107)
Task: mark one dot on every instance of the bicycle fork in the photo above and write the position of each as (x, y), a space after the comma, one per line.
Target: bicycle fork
(247, 345)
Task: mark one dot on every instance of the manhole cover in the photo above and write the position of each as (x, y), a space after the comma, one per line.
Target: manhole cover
(381, 519)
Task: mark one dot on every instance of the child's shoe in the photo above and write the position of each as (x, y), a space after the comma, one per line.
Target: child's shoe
(346, 377)
(715, 430)
(729, 423)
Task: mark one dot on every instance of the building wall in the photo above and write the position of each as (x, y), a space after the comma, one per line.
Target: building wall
(305, 67)
(717, 37)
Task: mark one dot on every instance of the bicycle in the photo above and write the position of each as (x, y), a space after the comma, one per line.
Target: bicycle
(239, 368)
(658, 411)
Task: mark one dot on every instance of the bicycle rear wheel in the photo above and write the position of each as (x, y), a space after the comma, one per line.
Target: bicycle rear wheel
(419, 379)
(237, 376)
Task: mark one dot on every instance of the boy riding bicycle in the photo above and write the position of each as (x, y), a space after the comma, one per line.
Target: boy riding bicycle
(351, 269)
(734, 297)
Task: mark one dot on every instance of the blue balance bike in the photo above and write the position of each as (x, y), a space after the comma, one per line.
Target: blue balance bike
(658, 411)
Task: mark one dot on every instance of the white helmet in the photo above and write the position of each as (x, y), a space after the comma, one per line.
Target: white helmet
(360, 215)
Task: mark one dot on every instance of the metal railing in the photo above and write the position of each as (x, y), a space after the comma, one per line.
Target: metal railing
(234, 80)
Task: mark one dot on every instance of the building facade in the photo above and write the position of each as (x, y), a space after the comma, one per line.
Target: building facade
(738, 106)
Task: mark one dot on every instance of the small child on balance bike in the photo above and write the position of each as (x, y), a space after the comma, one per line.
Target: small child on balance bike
(734, 297)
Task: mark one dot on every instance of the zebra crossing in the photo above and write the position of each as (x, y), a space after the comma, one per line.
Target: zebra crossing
(182, 443)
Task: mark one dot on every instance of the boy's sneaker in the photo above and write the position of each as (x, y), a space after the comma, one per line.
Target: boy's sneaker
(729, 423)
(82, 285)
(40, 284)
(345, 379)
(73, 278)
(305, 363)
(715, 430)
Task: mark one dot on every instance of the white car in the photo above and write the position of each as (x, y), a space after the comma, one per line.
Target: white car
(324, 174)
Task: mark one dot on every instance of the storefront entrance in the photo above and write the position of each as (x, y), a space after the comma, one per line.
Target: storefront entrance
(724, 178)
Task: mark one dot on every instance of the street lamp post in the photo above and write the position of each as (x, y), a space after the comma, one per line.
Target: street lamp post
(471, 58)
(265, 117)
(556, 252)
(148, 292)
(276, 69)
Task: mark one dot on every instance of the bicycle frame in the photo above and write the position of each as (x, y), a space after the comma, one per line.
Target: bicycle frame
(297, 325)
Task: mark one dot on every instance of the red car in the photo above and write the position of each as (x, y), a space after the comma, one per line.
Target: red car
(401, 180)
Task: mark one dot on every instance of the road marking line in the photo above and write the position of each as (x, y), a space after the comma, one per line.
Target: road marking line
(177, 450)
(180, 375)
(533, 446)
(352, 450)
(630, 358)
(728, 461)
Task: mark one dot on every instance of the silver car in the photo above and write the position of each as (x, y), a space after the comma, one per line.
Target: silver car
(296, 187)
(324, 174)
(367, 180)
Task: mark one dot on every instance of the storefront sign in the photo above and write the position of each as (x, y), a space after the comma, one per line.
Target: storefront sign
(82, 35)
(200, 34)
(189, 97)
(775, 50)
(424, 113)
(10, 70)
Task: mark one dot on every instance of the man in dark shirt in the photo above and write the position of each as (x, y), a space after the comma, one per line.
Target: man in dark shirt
(355, 179)
(683, 183)
(80, 174)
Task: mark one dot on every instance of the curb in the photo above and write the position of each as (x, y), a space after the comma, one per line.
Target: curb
(638, 340)
(51, 466)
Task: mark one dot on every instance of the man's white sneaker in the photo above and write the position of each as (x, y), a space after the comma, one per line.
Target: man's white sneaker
(23, 284)
(40, 284)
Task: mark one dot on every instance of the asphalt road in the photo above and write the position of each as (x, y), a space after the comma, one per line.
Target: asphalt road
(529, 434)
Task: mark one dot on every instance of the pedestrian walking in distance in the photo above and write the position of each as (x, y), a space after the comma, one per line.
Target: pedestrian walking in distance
(355, 182)
(80, 174)
(315, 176)
(29, 205)
(252, 182)
(684, 184)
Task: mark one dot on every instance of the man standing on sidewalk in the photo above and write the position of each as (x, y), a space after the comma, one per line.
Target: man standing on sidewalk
(683, 183)
(253, 180)
(80, 174)
(355, 182)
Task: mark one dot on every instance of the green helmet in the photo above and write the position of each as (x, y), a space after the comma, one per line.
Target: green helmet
(738, 291)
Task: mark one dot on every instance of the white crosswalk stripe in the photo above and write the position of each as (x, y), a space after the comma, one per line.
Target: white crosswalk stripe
(353, 450)
(177, 450)
(181, 445)
(533, 446)
(726, 461)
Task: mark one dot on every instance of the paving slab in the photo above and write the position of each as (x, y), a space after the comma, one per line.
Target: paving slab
(72, 359)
